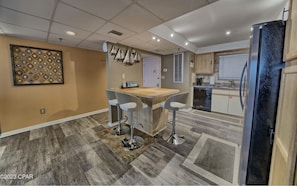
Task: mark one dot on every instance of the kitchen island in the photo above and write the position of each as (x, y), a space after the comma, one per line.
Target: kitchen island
(153, 119)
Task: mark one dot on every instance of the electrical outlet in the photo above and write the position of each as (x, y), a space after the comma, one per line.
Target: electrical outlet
(42, 111)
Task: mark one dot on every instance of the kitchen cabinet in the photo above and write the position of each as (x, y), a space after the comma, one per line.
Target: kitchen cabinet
(226, 102)
(284, 152)
(219, 103)
(290, 51)
(283, 163)
(204, 63)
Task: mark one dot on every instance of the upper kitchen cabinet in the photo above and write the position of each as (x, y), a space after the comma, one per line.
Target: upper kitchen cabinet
(290, 52)
(204, 63)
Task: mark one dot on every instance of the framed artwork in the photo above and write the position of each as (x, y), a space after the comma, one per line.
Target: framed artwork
(36, 66)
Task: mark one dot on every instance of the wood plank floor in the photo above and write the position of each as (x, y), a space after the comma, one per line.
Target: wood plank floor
(71, 153)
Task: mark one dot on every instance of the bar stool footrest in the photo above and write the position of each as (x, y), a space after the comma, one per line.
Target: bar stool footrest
(134, 143)
(173, 138)
(121, 130)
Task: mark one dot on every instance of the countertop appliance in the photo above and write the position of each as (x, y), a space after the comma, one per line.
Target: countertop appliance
(199, 81)
(129, 84)
(262, 88)
(202, 98)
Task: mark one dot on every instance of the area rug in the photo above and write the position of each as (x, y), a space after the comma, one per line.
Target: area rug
(115, 144)
(215, 159)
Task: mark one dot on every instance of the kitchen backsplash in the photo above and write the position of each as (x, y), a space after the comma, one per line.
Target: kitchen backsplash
(217, 81)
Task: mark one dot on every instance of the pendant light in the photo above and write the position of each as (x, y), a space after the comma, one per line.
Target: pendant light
(113, 51)
(118, 55)
(127, 57)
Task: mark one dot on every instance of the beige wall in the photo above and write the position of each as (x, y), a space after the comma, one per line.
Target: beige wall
(82, 92)
(116, 69)
(167, 77)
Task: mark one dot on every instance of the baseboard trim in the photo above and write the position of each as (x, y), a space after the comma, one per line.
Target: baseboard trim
(46, 124)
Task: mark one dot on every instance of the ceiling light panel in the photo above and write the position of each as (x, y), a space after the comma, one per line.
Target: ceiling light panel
(66, 40)
(76, 18)
(70, 33)
(59, 29)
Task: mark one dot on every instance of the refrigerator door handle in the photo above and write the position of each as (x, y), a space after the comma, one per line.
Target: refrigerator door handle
(241, 93)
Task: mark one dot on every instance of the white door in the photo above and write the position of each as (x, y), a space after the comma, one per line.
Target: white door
(152, 72)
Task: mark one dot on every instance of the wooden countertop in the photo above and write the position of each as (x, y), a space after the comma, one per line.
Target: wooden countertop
(147, 92)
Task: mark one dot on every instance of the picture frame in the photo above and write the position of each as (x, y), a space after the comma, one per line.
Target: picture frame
(36, 66)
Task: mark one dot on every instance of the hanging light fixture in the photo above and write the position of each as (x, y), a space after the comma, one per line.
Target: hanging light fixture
(122, 55)
(113, 51)
(127, 57)
(137, 58)
(118, 55)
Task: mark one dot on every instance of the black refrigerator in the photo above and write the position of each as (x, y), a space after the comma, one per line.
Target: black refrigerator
(263, 74)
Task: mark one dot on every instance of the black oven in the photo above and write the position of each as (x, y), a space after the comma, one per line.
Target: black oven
(202, 98)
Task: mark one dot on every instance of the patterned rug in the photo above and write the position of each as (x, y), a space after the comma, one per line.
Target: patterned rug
(215, 159)
(115, 144)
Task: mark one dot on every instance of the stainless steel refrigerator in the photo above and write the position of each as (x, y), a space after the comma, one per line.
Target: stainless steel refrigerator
(263, 74)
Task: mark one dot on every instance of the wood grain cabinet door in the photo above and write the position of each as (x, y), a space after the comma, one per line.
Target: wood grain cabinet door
(290, 51)
(282, 170)
(204, 63)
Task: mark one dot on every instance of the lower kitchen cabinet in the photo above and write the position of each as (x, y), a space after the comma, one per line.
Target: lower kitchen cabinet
(219, 103)
(234, 106)
(226, 102)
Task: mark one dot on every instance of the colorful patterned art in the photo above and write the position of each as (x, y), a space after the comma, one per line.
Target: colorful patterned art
(36, 66)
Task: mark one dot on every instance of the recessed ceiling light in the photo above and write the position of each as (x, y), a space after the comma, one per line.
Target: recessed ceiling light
(171, 35)
(154, 38)
(186, 43)
(252, 28)
(158, 40)
(228, 32)
(70, 33)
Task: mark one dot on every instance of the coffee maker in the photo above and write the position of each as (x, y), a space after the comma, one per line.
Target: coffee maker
(199, 81)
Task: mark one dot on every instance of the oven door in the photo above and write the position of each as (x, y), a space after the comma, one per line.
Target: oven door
(202, 98)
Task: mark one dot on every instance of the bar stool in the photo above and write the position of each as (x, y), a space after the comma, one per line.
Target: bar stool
(131, 104)
(112, 100)
(174, 103)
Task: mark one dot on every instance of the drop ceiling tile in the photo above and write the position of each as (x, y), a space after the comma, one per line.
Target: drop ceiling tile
(76, 18)
(136, 19)
(99, 38)
(91, 45)
(169, 9)
(106, 9)
(109, 26)
(145, 36)
(54, 38)
(60, 29)
(131, 41)
(20, 19)
(137, 39)
(21, 32)
(39, 8)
